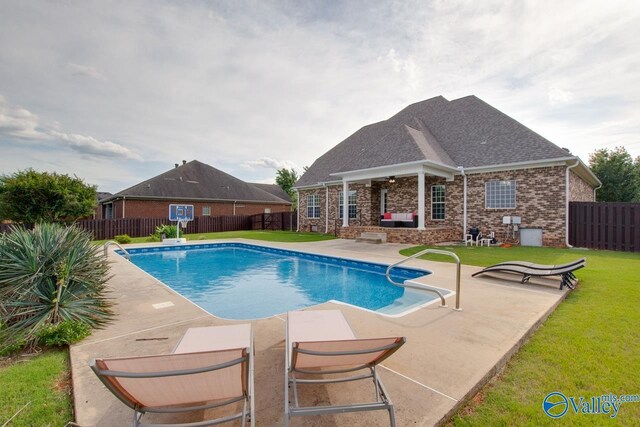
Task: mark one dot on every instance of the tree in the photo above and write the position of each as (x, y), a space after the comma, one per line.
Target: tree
(29, 197)
(618, 173)
(286, 179)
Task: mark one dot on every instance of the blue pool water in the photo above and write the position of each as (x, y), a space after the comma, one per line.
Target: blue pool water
(240, 281)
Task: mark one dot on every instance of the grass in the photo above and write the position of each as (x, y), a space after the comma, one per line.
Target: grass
(589, 346)
(270, 236)
(42, 383)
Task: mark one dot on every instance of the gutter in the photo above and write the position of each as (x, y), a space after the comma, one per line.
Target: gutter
(326, 209)
(123, 205)
(566, 214)
(298, 211)
(464, 201)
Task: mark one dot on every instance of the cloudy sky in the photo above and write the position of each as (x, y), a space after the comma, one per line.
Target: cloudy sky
(116, 92)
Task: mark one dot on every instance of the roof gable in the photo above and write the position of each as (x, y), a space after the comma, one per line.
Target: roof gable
(197, 180)
(465, 132)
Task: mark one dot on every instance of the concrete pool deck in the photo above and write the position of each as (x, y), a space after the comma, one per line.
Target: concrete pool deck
(448, 356)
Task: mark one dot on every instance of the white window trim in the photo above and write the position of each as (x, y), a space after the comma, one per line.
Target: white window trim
(206, 212)
(354, 204)
(384, 194)
(515, 194)
(309, 205)
(444, 203)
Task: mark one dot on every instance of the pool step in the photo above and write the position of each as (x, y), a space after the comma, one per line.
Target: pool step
(372, 238)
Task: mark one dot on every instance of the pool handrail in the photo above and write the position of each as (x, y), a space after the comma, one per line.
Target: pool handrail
(113, 242)
(425, 288)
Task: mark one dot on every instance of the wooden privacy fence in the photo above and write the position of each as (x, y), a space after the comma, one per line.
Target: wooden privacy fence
(605, 225)
(103, 229)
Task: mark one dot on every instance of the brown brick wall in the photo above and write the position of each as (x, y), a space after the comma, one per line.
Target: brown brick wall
(405, 235)
(160, 208)
(579, 190)
(540, 202)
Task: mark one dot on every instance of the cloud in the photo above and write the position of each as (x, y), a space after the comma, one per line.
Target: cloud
(23, 124)
(245, 85)
(269, 163)
(558, 96)
(85, 71)
(93, 147)
(19, 123)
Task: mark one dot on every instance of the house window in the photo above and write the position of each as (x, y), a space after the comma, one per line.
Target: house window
(352, 203)
(313, 206)
(108, 211)
(206, 211)
(437, 202)
(500, 194)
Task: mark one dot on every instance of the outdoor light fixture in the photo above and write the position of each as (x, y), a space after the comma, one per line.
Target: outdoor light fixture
(392, 179)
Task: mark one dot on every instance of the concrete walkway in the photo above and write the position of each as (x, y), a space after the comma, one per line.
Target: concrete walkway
(448, 356)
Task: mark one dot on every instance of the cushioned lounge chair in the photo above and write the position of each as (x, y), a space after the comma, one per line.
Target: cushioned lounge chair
(210, 367)
(565, 271)
(541, 266)
(322, 342)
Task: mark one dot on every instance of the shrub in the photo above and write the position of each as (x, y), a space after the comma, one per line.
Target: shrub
(153, 238)
(64, 333)
(122, 239)
(49, 275)
(169, 231)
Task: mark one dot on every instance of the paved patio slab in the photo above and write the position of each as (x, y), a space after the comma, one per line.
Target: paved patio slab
(448, 355)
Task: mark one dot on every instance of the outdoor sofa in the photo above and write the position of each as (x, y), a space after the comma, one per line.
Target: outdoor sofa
(397, 220)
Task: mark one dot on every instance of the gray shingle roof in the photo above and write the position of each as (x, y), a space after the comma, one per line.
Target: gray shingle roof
(197, 180)
(464, 132)
(274, 189)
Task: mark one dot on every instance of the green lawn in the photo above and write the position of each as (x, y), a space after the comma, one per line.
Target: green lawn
(588, 347)
(271, 236)
(42, 383)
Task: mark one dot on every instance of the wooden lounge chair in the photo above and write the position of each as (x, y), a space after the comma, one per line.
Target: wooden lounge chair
(322, 342)
(528, 270)
(210, 367)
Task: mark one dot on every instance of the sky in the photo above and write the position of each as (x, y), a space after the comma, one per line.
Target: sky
(116, 92)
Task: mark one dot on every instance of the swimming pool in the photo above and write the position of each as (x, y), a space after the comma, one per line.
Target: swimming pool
(241, 281)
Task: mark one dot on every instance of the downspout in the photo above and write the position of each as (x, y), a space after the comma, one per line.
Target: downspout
(298, 210)
(566, 213)
(234, 207)
(123, 205)
(594, 192)
(464, 201)
(326, 208)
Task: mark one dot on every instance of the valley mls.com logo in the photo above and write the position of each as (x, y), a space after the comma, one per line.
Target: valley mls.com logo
(556, 404)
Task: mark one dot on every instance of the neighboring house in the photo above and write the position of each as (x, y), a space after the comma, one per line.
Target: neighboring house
(211, 191)
(454, 165)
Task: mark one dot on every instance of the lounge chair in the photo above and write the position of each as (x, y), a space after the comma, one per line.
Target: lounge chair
(322, 342)
(541, 266)
(210, 367)
(565, 271)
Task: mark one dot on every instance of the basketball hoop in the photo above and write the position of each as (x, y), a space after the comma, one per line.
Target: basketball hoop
(181, 214)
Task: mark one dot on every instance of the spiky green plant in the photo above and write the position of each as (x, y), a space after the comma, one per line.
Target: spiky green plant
(48, 275)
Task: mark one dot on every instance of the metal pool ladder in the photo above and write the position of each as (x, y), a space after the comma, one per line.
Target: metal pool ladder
(113, 242)
(425, 288)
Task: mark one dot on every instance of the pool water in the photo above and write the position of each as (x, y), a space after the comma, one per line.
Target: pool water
(240, 281)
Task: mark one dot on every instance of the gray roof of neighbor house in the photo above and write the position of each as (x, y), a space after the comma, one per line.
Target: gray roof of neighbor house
(465, 132)
(198, 181)
(102, 195)
(274, 189)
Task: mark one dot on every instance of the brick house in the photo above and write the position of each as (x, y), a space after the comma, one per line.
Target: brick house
(453, 165)
(211, 191)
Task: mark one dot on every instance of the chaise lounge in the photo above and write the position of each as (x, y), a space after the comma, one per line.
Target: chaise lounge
(528, 270)
(322, 342)
(211, 367)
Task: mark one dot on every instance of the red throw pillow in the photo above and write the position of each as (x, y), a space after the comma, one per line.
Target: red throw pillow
(387, 215)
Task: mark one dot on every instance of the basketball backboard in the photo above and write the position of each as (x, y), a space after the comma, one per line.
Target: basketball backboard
(180, 212)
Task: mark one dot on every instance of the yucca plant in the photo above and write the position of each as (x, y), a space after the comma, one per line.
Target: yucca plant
(48, 275)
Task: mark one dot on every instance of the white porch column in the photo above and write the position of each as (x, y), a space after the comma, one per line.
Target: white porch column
(421, 200)
(345, 203)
